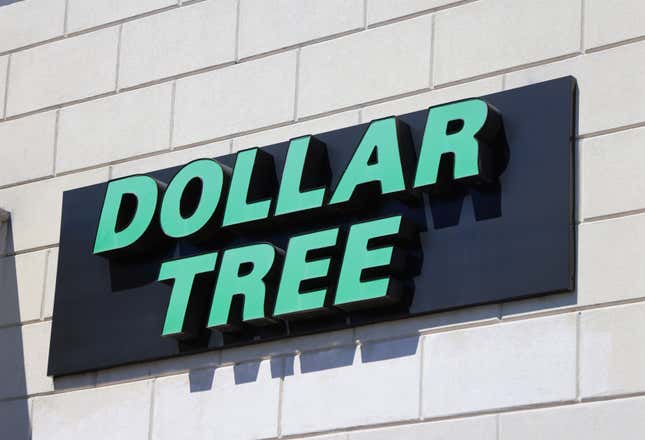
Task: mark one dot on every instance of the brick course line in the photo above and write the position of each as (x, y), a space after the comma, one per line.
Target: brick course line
(338, 110)
(582, 26)
(44, 286)
(358, 343)
(433, 40)
(421, 13)
(297, 85)
(91, 29)
(578, 346)
(616, 44)
(65, 18)
(237, 31)
(55, 149)
(118, 59)
(6, 88)
(313, 435)
(151, 413)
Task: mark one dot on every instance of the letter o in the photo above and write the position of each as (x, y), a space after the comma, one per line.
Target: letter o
(211, 175)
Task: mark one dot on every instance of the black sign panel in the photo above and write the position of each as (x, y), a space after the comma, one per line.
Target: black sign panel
(480, 244)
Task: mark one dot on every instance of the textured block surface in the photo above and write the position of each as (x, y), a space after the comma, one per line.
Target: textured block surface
(177, 41)
(359, 68)
(611, 356)
(343, 387)
(611, 86)
(267, 26)
(84, 14)
(31, 21)
(491, 35)
(27, 151)
(244, 97)
(121, 126)
(120, 411)
(500, 366)
(49, 75)
(611, 22)
(233, 402)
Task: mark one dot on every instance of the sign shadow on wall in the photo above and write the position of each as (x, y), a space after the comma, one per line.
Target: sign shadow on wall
(14, 408)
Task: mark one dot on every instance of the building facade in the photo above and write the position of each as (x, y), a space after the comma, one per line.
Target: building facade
(97, 90)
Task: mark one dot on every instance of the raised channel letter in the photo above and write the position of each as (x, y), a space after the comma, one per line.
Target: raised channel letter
(128, 209)
(183, 272)
(198, 186)
(300, 267)
(241, 204)
(459, 129)
(377, 159)
(356, 287)
(306, 167)
(243, 274)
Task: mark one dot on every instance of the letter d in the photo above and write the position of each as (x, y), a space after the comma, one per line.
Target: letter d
(128, 209)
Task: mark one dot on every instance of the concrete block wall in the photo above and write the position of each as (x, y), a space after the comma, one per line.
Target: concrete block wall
(97, 89)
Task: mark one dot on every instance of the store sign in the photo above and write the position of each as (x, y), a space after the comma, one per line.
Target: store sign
(464, 203)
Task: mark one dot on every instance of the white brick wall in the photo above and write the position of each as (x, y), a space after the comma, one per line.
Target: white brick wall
(513, 364)
(611, 86)
(364, 67)
(52, 74)
(22, 280)
(609, 22)
(28, 144)
(179, 41)
(216, 403)
(120, 126)
(340, 388)
(82, 14)
(169, 159)
(30, 21)
(615, 273)
(4, 64)
(99, 89)
(36, 207)
(383, 10)
(480, 428)
(491, 35)
(234, 100)
(434, 97)
(50, 283)
(267, 26)
(318, 125)
(611, 173)
(611, 356)
(121, 411)
(595, 421)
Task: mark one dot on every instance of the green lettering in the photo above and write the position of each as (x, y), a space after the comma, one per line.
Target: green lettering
(290, 197)
(376, 159)
(238, 208)
(211, 175)
(297, 269)
(352, 290)
(251, 286)
(183, 272)
(138, 193)
(463, 144)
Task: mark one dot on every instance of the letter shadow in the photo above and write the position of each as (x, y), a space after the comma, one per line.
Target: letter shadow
(389, 349)
(447, 199)
(201, 380)
(246, 372)
(14, 406)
